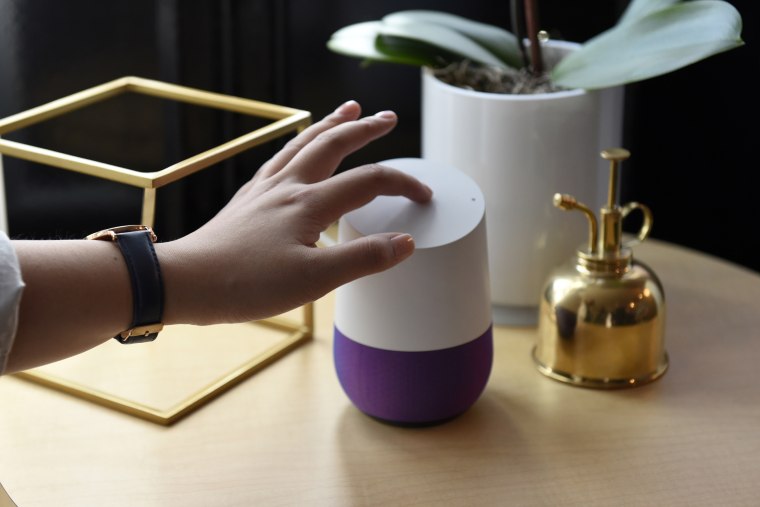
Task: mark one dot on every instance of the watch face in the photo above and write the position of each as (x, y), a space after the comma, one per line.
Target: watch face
(110, 234)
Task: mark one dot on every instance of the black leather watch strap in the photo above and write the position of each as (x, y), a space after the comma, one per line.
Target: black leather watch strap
(147, 285)
(136, 245)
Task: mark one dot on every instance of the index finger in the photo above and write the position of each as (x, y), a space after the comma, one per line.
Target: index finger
(354, 188)
(319, 159)
(348, 111)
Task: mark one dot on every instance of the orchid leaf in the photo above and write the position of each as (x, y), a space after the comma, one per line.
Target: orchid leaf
(640, 8)
(424, 44)
(656, 43)
(442, 37)
(360, 40)
(498, 41)
(402, 47)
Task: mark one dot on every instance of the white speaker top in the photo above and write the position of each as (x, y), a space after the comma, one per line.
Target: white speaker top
(432, 224)
(439, 297)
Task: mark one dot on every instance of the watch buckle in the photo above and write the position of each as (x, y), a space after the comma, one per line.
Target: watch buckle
(141, 331)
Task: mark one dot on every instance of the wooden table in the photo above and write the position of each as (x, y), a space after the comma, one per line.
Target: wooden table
(289, 436)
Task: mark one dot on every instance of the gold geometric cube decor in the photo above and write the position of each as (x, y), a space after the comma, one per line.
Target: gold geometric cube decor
(187, 366)
(286, 120)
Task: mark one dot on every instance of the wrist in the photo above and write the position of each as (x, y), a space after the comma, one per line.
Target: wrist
(136, 245)
(186, 293)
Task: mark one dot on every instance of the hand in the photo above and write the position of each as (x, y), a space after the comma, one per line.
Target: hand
(258, 257)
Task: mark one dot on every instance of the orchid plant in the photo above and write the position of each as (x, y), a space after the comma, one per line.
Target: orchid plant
(651, 38)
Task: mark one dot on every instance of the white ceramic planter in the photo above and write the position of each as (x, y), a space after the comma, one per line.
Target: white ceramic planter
(520, 150)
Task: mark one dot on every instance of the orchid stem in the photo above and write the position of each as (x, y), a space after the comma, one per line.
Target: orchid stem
(531, 23)
(518, 28)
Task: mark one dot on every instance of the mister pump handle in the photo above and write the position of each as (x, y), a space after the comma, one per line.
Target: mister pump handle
(615, 156)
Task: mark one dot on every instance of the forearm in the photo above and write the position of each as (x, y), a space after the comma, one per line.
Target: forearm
(77, 296)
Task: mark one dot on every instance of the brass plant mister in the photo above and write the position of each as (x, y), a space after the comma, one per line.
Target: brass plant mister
(602, 316)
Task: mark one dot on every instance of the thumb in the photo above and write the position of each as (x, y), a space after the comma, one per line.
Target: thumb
(364, 256)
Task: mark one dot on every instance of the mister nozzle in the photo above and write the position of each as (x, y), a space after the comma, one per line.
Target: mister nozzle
(568, 202)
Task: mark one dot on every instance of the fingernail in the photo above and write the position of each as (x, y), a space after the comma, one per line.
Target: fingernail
(346, 107)
(403, 245)
(429, 190)
(386, 115)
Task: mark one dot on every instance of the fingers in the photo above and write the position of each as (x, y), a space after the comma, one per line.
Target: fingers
(318, 160)
(354, 188)
(347, 111)
(343, 263)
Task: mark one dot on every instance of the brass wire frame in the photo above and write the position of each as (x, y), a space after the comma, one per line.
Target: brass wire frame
(294, 334)
(285, 120)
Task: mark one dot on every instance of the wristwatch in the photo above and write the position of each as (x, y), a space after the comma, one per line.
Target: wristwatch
(136, 245)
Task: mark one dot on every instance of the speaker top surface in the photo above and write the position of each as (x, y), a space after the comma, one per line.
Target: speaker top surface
(456, 209)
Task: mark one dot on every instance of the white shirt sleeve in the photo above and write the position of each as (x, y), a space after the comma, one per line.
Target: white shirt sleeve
(11, 287)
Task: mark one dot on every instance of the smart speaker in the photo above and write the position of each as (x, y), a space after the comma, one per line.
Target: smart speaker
(413, 345)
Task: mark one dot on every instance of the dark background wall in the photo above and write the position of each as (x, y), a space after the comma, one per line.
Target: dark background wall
(690, 131)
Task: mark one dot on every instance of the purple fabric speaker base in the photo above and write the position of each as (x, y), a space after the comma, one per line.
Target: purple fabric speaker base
(413, 388)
